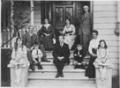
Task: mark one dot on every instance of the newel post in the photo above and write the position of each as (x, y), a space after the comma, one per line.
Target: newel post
(23, 76)
(107, 82)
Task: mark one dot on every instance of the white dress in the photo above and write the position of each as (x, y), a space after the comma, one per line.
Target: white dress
(19, 57)
(69, 35)
(102, 62)
(102, 58)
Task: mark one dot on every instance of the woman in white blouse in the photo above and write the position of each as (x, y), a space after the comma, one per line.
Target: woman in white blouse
(69, 32)
(19, 58)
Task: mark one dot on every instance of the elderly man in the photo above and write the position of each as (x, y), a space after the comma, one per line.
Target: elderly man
(85, 28)
(61, 55)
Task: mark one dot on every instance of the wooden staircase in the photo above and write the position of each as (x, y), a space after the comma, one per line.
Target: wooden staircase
(46, 77)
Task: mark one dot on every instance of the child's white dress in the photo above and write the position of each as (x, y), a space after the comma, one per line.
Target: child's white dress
(19, 57)
(102, 61)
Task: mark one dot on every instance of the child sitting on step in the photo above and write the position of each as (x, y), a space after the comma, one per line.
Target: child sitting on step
(36, 56)
(102, 60)
(78, 57)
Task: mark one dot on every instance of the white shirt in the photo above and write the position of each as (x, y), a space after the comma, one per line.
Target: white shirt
(70, 28)
(13, 42)
(93, 44)
(37, 53)
(46, 25)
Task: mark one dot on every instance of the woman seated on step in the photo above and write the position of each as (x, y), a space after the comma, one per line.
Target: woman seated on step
(19, 59)
(36, 56)
(48, 35)
(69, 32)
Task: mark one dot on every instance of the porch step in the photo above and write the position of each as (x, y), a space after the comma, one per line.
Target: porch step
(61, 82)
(49, 54)
(46, 77)
(68, 75)
(69, 68)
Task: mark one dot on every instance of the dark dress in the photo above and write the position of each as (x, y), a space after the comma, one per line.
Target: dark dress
(61, 51)
(90, 71)
(47, 40)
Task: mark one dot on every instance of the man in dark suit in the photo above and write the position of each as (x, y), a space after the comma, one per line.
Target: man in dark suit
(61, 55)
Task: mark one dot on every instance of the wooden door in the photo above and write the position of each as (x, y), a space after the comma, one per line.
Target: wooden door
(60, 13)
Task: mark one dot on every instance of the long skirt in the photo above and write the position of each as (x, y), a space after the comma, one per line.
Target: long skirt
(69, 39)
(48, 42)
(90, 71)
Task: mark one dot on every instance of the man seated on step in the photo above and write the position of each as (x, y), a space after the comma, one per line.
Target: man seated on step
(61, 55)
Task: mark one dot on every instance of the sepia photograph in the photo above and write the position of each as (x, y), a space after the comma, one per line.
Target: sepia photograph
(59, 43)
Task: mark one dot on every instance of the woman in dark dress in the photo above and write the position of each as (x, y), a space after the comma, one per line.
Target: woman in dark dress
(90, 71)
(47, 35)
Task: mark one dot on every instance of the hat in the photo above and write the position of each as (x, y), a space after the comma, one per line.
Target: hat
(85, 6)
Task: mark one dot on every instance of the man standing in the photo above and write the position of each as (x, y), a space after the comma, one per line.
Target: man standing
(85, 28)
(61, 55)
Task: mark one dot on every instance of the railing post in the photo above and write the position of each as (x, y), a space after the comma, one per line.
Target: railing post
(0, 46)
(11, 16)
(107, 83)
(32, 11)
(23, 77)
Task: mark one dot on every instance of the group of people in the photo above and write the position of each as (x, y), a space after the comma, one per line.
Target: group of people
(29, 50)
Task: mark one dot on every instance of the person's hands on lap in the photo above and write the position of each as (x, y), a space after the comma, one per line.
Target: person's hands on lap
(60, 58)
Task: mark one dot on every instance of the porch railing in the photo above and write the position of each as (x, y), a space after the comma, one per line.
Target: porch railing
(107, 82)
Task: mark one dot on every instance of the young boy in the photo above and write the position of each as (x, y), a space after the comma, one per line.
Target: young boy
(78, 56)
(37, 55)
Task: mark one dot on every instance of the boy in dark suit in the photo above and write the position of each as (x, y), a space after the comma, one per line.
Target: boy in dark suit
(61, 55)
(78, 56)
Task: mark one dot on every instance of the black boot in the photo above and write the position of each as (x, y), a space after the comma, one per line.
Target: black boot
(39, 66)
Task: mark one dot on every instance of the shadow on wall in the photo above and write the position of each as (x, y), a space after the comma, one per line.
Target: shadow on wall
(115, 80)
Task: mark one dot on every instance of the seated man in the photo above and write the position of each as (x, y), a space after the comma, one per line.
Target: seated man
(61, 55)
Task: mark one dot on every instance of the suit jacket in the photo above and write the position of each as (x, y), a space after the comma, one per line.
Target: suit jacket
(26, 39)
(85, 27)
(61, 51)
(34, 39)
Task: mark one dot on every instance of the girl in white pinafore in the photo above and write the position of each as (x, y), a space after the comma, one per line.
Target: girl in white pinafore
(103, 59)
(69, 32)
(19, 58)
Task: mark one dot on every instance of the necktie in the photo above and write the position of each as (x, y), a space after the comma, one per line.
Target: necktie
(37, 52)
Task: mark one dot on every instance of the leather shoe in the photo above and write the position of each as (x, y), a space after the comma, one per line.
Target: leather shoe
(57, 75)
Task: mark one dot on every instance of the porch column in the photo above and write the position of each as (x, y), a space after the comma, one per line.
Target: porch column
(0, 46)
(11, 18)
(32, 11)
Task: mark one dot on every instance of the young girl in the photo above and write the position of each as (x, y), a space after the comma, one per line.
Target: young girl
(19, 58)
(78, 56)
(102, 59)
